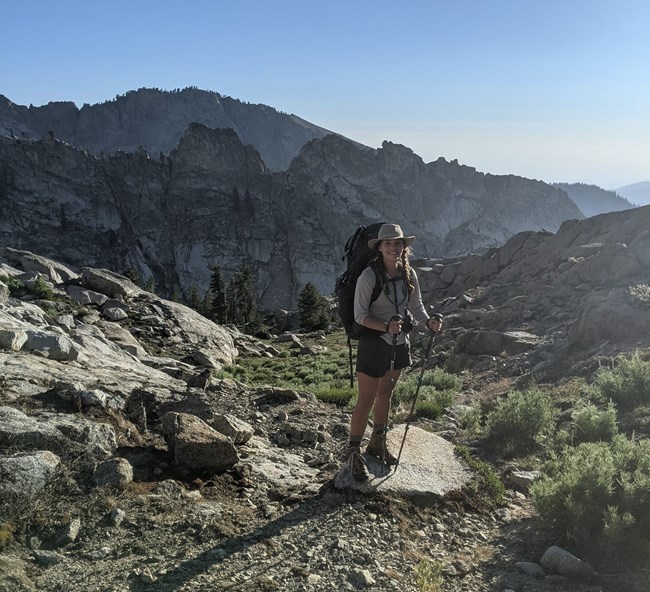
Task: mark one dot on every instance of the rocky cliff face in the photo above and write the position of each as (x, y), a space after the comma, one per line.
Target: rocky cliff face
(213, 200)
(157, 119)
(452, 209)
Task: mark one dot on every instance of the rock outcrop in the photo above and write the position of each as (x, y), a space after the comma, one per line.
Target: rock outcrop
(543, 298)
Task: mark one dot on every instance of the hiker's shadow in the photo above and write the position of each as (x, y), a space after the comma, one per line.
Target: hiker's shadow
(315, 509)
(379, 471)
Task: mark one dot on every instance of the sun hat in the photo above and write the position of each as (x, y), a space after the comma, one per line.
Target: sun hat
(390, 232)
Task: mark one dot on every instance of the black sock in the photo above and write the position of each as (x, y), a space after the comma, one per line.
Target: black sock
(355, 440)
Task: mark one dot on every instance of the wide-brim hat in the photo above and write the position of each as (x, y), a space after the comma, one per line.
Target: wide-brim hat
(390, 232)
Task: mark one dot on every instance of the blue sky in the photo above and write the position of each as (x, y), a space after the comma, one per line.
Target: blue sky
(546, 89)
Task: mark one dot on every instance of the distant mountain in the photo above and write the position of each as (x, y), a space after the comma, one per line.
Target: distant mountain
(157, 119)
(593, 200)
(638, 193)
(213, 200)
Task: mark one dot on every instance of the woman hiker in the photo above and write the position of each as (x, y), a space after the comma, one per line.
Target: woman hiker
(384, 347)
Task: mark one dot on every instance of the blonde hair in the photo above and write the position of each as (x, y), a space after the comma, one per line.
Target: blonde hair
(406, 253)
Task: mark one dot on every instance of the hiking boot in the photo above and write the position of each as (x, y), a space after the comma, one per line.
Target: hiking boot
(357, 463)
(377, 447)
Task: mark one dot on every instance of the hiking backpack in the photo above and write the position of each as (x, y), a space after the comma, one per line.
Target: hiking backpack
(357, 256)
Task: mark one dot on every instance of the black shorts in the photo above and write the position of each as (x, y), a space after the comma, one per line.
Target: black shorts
(374, 356)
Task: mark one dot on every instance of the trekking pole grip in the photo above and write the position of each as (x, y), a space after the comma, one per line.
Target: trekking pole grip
(397, 318)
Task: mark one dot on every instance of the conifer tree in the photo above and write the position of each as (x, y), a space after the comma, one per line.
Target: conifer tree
(134, 275)
(150, 285)
(240, 296)
(215, 305)
(313, 309)
(195, 298)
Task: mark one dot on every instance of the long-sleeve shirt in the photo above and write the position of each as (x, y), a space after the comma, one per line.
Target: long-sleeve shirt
(392, 300)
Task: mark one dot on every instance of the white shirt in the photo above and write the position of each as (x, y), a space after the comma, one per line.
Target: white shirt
(392, 300)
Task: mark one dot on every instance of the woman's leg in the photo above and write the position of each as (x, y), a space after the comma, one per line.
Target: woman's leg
(377, 444)
(367, 393)
(368, 387)
(384, 392)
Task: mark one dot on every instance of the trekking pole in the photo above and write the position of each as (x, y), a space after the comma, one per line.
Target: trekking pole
(350, 357)
(391, 381)
(394, 352)
(417, 390)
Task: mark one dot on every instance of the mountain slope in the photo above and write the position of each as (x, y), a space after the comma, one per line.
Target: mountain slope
(157, 119)
(593, 200)
(638, 193)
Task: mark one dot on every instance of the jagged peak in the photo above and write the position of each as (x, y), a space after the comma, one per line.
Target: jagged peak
(200, 129)
(393, 146)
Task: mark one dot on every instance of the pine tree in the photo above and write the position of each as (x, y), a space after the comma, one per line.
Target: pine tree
(195, 298)
(134, 275)
(215, 304)
(313, 309)
(247, 293)
(240, 297)
(150, 285)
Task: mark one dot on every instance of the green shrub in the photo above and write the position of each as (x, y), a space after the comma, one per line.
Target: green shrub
(42, 290)
(436, 380)
(627, 383)
(638, 420)
(428, 575)
(485, 487)
(519, 421)
(589, 423)
(340, 396)
(598, 495)
(431, 404)
(434, 395)
(471, 420)
(291, 369)
(14, 285)
(442, 381)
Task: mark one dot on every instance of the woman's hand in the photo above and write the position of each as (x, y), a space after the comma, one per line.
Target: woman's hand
(394, 327)
(434, 323)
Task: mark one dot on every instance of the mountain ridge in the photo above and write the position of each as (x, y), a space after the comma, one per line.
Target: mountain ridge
(638, 193)
(214, 201)
(156, 119)
(593, 200)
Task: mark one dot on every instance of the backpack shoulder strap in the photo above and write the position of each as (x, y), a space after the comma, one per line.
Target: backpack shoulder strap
(379, 284)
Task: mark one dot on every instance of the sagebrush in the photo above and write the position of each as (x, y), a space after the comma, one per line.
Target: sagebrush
(519, 421)
(597, 495)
